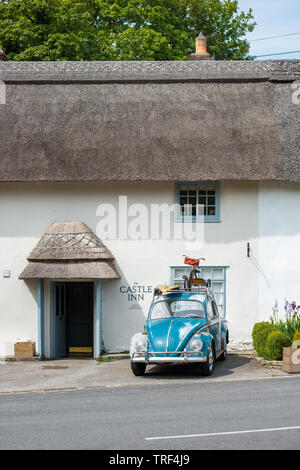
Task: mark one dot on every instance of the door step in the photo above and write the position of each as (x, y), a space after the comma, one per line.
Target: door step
(80, 351)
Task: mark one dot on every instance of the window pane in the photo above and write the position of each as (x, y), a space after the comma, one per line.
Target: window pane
(218, 273)
(187, 210)
(209, 309)
(187, 187)
(215, 309)
(183, 200)
(221, 311)
(160, 310)
(182, 308)
(217, 287)
(210, 190)
(219, 298)
(206, 273)
(201, 210)
(179, 273)
(201, 197)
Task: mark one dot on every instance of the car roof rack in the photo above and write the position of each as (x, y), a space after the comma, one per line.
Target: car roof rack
(170, 290)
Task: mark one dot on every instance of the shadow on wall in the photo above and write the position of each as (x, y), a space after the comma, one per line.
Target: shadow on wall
(29, 208)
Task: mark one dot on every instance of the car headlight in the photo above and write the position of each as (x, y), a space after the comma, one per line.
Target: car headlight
(141, 346)
(196, 344)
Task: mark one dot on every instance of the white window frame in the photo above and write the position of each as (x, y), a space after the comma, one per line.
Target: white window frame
(175, 280)
(200, 185)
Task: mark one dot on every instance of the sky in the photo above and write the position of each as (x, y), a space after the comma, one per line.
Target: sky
(274, 17)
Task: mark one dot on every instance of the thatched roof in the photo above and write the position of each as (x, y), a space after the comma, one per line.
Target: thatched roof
(67, 270)
(150, 121)
(70, 241)
(70, 251)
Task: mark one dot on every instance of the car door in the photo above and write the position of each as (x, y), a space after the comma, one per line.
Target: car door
(214, 322)
(60, 349)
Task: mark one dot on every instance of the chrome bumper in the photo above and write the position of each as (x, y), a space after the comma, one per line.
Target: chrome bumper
(157, 358)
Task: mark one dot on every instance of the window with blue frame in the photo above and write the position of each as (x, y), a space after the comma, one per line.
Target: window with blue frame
(197, 200)
(217, 275)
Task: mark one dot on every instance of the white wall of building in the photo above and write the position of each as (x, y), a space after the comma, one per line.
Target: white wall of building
(27, 210)
(279, 245)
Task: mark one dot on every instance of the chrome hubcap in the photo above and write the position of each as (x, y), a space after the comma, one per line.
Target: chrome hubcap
(211, 361)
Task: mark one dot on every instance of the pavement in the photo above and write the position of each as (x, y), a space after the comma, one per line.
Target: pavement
(182, 413)
(72, 374)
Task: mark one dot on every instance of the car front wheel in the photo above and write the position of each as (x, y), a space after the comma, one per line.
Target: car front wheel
(223, 356)
(208, 366)
(138, 368)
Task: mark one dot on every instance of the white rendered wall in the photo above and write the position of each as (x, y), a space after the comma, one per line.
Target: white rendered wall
(279, 245)
(27, 210)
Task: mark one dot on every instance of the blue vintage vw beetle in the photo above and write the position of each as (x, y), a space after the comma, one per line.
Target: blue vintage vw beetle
(183, 326)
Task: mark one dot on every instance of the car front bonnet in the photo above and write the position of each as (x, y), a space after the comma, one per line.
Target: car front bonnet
(172, 334)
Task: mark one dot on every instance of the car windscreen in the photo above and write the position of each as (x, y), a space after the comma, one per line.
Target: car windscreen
(182, 308)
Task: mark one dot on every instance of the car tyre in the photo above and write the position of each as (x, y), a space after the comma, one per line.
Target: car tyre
(138, 368)
(208, 366)
(223, 356)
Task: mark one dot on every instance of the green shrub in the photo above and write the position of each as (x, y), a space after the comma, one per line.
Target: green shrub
(259, 335)
(296, 336)
(289, 326)
(296, 340)
(276, 341)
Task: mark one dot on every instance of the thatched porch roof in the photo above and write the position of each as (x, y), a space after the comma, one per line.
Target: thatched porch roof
(67, 270)
(70, 251)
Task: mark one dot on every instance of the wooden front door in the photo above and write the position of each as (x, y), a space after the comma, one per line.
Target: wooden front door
(79, 317)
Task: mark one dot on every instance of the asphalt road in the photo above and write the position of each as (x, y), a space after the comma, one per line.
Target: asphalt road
(125, 417)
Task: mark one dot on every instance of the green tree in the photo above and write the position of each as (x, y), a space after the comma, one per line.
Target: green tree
(122, 29)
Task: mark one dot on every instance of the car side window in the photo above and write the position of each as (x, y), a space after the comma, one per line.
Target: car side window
(215, 309)
(209, 308)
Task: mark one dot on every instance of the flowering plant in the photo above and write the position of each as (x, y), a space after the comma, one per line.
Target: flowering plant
(290, 323)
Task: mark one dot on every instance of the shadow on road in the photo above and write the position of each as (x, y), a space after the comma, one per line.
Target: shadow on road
(221, 369)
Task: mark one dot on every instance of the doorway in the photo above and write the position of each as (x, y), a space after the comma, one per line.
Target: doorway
(72, 315)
